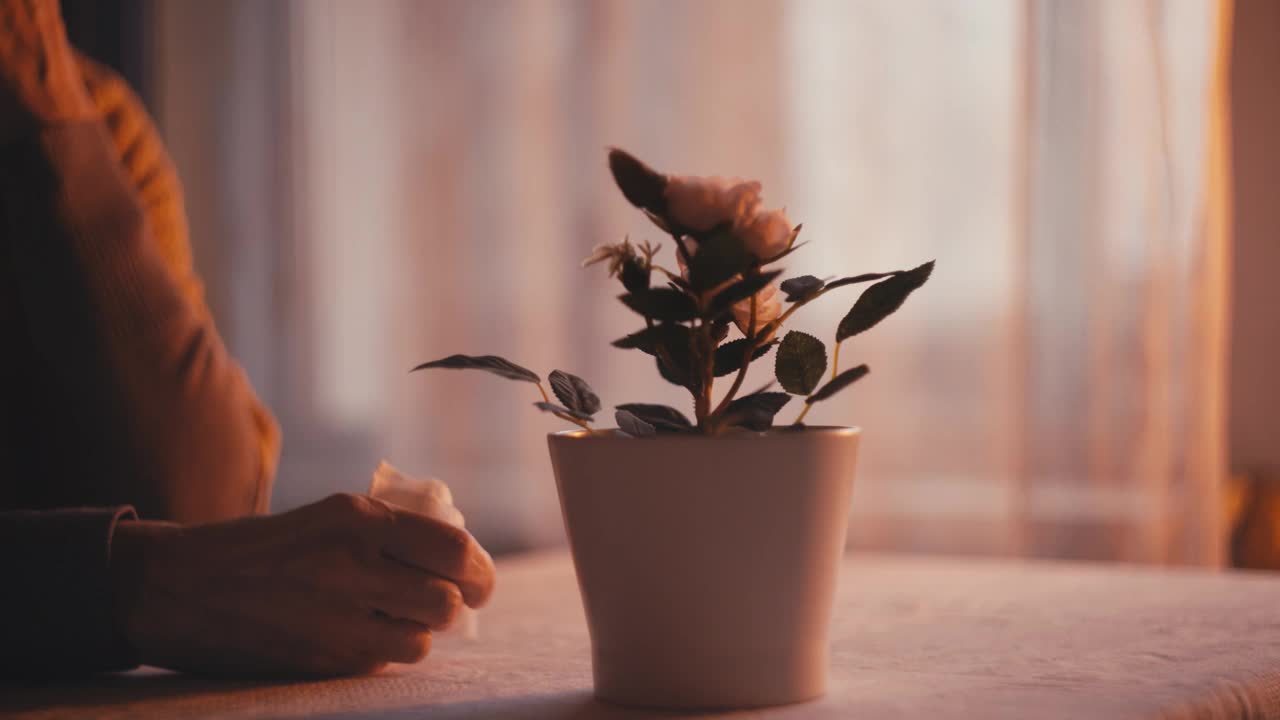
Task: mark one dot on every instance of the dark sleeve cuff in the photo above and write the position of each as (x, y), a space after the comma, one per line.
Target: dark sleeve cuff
(57, 615)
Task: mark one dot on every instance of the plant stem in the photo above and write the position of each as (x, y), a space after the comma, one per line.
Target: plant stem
(665, 271)
(746, 361)
(569, 418)
(777, 322)
(800, 417)
(580, 423)
(702, 399)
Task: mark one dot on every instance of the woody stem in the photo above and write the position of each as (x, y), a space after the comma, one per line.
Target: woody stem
(752, 341)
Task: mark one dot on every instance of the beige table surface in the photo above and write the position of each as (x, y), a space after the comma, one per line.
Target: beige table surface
(914, 637)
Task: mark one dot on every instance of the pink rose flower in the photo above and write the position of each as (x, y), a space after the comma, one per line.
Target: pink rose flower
(767, 234)
(701, 203)
(768, 308)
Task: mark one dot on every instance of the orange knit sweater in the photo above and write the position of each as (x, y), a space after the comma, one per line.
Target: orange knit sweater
(120, 391)
(116, 392)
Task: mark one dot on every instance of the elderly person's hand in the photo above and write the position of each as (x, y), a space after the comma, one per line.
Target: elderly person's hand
(343, 586)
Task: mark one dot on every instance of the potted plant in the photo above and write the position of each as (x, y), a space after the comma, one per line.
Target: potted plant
(707, 548)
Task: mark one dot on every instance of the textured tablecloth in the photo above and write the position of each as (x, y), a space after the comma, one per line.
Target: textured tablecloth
(913, 637)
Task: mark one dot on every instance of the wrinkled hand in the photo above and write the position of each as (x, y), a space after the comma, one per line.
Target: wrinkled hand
(342, 586)
(39, 80)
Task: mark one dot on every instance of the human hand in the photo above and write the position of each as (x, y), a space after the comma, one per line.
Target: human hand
(39, 79)
(342, 586)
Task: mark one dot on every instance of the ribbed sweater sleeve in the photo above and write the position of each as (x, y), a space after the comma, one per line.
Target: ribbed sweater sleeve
(58, 611)
(135, 367)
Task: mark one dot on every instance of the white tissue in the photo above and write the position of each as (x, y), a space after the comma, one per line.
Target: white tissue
(432, 498)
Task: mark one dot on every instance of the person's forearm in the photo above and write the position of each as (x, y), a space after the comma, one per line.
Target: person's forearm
(144, 375)
(59, 617)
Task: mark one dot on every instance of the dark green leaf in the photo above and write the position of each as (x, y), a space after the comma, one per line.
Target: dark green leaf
(720, 330)
(574, 392)
(643, 186)
(729, 355)
(719, 257)
(634, 275)
(646, 340)
(558, 410)
(632, 425)
(756, 411)
(838, 383)
(661, 417)
(800, 363)
(662, 304)
(661, 222)
(488, 363)
(864, 277)
(801, 288)
(670, 344)
(881, 300)
(739, 291)
(673, 375)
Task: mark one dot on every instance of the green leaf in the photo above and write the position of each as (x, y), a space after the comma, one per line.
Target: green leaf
(801, 288)
(719, 257)
(640, 184)
(864, 277)
(739, 291)
(558, 410)
(645, 340)
(756, 411)
(838, 383)
(662, 304)
(661, 417)
(634, 275)
(800, 363)
(574, 392)
(881, 300)
(670, 344)
(660, 221)
(488, 363)
(675, 361)
(632, 425)
(729, 355)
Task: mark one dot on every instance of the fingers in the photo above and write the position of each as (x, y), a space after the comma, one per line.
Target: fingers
(415, 540)
(442, 549)
(398, 641)
(407, 593)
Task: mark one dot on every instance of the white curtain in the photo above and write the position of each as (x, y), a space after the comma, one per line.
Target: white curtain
(1054, 390)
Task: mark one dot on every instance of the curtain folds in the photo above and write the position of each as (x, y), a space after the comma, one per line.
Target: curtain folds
(1056, 389)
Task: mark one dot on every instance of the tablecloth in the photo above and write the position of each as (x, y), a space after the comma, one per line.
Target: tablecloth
(913, 637)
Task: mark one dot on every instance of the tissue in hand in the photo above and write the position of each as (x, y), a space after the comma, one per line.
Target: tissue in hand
(428, 496)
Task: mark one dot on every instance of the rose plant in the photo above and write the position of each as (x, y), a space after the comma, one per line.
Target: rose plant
(726, 244)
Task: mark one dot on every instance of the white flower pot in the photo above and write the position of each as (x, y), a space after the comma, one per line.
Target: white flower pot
(707, 565)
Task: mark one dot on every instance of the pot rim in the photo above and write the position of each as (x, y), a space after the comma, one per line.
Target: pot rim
(607, 434)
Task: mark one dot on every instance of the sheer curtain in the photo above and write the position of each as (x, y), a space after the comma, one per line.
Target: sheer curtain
(1055, 390)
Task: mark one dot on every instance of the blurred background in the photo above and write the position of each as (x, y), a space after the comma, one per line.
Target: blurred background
(1089, 374)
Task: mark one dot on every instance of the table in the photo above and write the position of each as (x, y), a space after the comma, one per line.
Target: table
(914, 637)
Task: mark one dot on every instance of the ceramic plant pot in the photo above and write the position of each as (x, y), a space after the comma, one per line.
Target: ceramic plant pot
(707, 565)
